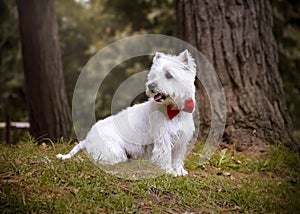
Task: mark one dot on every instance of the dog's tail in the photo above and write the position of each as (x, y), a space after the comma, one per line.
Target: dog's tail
(73, 152)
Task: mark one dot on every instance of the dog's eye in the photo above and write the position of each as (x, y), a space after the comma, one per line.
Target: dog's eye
(168, 75)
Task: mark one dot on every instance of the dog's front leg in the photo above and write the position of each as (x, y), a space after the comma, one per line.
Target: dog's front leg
(161, 156)
(178, 154)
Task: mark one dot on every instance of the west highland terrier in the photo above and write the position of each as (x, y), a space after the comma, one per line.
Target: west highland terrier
(159, 129)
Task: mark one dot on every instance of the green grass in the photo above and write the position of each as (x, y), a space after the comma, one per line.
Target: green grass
(32, 180)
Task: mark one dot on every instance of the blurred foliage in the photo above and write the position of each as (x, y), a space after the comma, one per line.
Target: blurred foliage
(84, 28)
(12, 90)
(287, 33)
(87, 26)
(91, 25)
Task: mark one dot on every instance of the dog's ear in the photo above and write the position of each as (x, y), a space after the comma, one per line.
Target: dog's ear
(187, 58)
(157, 56)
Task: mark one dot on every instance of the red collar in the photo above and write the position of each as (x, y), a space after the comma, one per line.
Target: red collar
(188, 107)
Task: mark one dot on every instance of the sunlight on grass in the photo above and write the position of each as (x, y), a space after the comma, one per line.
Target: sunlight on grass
(33, 180)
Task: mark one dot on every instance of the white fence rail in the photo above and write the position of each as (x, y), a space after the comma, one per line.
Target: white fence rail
(21, 125)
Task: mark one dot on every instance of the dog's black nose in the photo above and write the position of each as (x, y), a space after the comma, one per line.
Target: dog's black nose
(152, 86)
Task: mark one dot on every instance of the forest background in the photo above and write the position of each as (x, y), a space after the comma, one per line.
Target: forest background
(87, 26)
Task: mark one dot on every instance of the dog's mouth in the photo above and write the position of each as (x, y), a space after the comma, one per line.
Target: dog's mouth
(159, 97)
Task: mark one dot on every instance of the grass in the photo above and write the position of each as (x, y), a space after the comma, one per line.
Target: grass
(32, 180)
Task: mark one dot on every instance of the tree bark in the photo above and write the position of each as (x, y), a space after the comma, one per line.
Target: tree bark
(49, 113)
(237, 39)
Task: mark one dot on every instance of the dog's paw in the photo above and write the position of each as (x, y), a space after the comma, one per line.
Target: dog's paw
(170, 171)
(180, 171)
(63, 157)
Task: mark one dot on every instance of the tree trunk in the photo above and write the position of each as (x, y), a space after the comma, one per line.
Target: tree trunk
(49, 113)
(237, 39)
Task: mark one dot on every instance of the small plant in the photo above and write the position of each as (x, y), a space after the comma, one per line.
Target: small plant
(222, 158)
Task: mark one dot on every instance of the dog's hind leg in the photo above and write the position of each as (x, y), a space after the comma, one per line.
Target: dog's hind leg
(74, 151)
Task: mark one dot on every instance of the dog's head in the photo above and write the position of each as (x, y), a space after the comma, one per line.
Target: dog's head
(171, 79)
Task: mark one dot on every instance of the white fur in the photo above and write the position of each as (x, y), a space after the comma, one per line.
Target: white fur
(144, 130)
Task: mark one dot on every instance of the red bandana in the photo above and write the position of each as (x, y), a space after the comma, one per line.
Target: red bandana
(188, 107)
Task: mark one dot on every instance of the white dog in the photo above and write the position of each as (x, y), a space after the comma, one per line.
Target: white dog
(159, 129)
